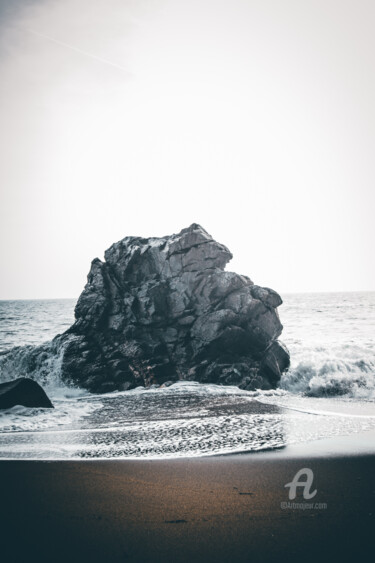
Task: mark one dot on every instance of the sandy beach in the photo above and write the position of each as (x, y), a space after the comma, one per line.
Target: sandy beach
(225, 508)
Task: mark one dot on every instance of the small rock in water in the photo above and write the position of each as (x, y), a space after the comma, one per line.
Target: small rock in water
(25, 392)
(158, 310)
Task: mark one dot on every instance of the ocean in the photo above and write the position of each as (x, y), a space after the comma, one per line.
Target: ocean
(328, 391)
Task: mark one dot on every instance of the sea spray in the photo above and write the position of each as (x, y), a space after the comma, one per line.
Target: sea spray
(41, 363)
(324, 376)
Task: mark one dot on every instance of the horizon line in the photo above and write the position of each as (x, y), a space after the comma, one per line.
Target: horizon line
(300, 292)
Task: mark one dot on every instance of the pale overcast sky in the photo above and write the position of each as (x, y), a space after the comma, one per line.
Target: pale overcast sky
(253, 118)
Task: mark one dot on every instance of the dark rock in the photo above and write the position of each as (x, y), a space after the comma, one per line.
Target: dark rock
(23, 391)
(162, 309)
(275, 361)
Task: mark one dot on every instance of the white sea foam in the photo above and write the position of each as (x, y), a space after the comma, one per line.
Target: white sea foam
(65, 414)
(182, 420)
(325, 375)
(42, 363)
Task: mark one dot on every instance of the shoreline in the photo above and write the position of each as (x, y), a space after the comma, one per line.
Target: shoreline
(355, 444)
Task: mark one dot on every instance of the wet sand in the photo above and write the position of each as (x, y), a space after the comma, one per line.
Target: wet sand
(219, 509)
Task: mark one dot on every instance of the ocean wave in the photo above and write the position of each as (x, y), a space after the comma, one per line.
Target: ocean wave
(344, 370)
(67, 412)
(327, 377)
(41, 363)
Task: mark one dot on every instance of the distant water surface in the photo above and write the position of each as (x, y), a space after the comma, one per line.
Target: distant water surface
(33, 321)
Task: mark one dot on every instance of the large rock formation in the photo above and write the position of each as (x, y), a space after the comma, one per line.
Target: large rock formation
(163, 309)
(23, 391)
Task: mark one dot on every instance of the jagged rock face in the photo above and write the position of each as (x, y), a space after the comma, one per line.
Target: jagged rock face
(163, 309)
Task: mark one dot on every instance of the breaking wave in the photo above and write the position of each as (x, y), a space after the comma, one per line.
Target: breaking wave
(320, 373)
(325, 375)
(41, 363)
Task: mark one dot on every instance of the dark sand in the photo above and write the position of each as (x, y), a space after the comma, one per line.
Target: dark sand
(219, 509)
